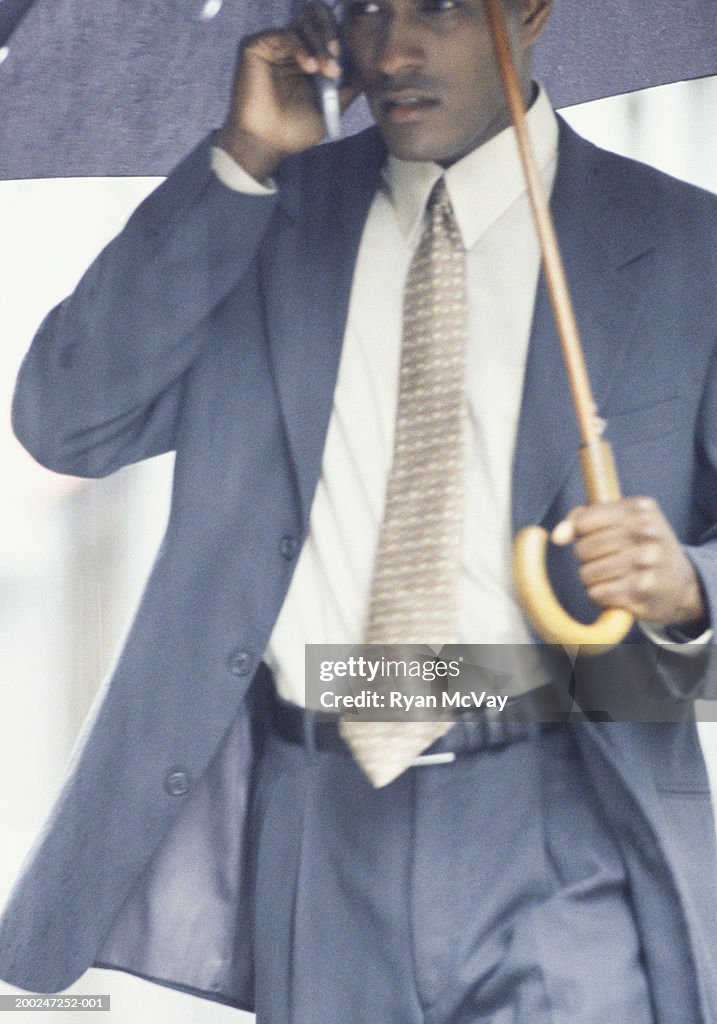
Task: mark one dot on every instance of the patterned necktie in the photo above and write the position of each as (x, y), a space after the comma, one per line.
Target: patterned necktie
(414, 591)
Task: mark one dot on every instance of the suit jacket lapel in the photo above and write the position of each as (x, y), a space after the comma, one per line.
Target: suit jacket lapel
(598, 246)
(307, 270)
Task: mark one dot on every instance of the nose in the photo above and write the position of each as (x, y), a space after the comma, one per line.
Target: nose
(400, 47)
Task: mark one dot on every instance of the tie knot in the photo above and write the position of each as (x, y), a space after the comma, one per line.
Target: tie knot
(442, 217)
(439, 195)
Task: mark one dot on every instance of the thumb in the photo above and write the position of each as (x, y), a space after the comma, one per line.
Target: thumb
(563, 533)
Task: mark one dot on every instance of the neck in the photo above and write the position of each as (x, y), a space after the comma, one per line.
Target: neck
(500, 123)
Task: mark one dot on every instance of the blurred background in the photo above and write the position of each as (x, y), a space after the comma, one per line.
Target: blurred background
(74, 554)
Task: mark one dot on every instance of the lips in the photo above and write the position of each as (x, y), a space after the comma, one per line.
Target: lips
(406, 106)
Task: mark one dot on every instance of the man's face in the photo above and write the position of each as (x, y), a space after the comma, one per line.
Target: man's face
(429, 72)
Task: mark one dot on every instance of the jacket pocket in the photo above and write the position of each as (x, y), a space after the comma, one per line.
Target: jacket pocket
(644, 423)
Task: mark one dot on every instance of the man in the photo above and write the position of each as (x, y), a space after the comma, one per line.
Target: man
(250, 317)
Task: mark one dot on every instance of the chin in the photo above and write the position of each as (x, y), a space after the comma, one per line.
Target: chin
(414, 143)
(412, 149)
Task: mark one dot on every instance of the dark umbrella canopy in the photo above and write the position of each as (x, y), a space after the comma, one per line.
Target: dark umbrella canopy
(11, 14)
(117, 87)
(596, 48)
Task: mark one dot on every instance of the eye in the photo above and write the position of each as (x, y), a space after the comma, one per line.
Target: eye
(356, 10)
(360, 9)
(439, 6)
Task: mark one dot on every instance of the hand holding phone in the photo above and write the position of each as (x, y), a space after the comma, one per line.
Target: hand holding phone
(288, 91)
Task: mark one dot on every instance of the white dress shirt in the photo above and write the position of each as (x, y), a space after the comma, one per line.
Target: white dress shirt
(327, 601)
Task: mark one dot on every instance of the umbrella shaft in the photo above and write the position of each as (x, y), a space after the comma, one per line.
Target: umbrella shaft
(566, 325)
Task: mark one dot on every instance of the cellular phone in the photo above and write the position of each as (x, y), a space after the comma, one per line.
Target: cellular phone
(328, 88)
(328, 91)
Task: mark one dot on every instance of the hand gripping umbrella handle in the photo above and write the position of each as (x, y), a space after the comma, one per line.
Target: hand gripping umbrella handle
(532, 583)
(601, 483)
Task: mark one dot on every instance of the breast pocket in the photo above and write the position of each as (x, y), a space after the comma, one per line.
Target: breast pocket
(645, 423)
(654, 452)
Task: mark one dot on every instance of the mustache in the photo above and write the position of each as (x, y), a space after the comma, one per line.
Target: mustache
(410, 82)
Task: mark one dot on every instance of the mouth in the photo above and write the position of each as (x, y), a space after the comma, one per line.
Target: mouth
(406, 106)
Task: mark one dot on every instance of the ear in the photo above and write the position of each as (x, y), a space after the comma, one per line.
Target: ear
(535, 17)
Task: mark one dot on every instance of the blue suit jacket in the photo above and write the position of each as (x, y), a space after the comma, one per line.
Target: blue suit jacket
(213, 326)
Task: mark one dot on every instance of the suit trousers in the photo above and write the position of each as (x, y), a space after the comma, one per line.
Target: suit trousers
(488, 889)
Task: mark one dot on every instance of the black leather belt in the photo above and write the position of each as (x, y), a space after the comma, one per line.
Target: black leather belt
(318, 731)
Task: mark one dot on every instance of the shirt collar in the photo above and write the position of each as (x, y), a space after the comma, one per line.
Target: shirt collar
(482, 185)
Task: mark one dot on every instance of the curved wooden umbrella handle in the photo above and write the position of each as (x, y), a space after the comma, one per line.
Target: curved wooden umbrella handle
(544, 610)
(531, 578)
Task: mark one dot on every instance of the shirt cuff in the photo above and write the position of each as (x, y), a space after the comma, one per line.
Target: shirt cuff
(233, 175)
(662, 638)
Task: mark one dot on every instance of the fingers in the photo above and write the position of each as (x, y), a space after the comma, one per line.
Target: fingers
(563, 533)
(319, 46)
(619, 546)
(629, 557)
(310, 43)
(599, 528)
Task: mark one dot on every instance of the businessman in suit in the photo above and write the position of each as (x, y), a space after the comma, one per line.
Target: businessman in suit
(212, 834)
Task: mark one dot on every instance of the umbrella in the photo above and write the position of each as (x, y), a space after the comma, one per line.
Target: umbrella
(116, 87)
(11, 14)
(119, 87)
(122, 87)
(136, 85)
(539, 602)
(598, 467)
(642, 43)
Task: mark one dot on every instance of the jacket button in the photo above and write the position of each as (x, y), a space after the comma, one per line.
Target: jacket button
(239, 663)
(176, 782)
(288, 547)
